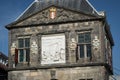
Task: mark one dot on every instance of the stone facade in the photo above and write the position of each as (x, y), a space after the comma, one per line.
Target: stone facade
(70, 24)
(76, 73)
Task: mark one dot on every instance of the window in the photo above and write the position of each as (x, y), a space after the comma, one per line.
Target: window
(84, 45)
(23, 49)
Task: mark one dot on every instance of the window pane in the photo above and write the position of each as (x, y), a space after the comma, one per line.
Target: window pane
(21, 55)
(88, 50)
(27, 42)
(84, 38)
(87, 38)
(27, 54)
(20, 43)
(81, 38)
(81, 51)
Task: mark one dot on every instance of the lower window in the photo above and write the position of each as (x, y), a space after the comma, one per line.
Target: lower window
(84, 50)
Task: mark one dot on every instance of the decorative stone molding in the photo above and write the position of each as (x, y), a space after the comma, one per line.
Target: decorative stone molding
(57, 16)
(73, 44)
(34, 47)
(13, 48)
(34, 50)
(96, 43)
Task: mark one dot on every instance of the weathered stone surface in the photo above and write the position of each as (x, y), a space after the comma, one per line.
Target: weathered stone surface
(62, 15)
(95, 73)
(34, 70)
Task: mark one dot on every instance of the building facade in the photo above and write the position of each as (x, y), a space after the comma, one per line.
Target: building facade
(60, 40)
(3, 66)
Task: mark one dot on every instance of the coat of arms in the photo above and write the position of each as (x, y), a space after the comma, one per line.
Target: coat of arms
(52, 13)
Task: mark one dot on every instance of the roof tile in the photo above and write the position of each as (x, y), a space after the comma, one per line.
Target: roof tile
(77, 5)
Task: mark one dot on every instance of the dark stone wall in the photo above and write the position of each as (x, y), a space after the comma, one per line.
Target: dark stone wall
(76, 73)
(70, 30)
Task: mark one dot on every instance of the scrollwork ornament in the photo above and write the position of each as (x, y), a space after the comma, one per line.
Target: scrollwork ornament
(13, 48)
(34, 47)
(96, 43)
(73, 44)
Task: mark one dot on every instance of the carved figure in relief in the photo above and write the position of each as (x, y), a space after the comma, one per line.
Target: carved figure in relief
(73, 44)
(13, 48)
(96, 43)
(34, 47)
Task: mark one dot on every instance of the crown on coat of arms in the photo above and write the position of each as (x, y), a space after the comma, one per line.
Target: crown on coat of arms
(53, 9)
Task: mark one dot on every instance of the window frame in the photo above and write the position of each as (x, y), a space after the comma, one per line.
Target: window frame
(84, 45)
(24, 48)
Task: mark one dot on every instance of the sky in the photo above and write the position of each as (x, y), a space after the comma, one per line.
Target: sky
(11, 9)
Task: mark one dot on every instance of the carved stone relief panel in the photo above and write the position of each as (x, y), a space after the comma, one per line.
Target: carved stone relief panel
(34, 47)
(13, 46)
(96, 43)
(72, 40)
(58, 15)
(53, 49)
(34, 50)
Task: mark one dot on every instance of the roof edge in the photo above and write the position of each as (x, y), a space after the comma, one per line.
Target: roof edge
(25, 10)
(107, 28)
(62, 22)
(92, 7)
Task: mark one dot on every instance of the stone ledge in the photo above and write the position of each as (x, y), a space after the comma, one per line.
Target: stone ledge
(57, 66)
(11, 26)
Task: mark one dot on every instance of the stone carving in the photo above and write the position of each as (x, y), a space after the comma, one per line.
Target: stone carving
(13, 48)
(34, 47)
(96, 43)
(73, 44)
(52, 13)
(60, 15)
(53, 49)
(53, 74)
(33, 50)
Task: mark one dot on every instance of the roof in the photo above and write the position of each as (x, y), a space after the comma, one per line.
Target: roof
(3, 56)
(3, 67)
(76, 5)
